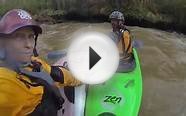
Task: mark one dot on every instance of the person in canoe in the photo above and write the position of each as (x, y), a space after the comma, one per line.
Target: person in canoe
(28, 85)
(121, 36)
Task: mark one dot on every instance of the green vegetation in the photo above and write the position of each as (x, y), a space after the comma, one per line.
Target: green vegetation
(174, 9)
(43, 10)
(169, 11)
(153, 11)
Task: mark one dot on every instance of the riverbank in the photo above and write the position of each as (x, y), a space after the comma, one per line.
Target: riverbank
(166, 15)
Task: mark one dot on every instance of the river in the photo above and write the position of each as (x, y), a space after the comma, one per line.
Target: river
(163, 63)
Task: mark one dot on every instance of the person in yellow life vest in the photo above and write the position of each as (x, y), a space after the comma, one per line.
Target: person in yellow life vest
(28, 85)
(121, 36)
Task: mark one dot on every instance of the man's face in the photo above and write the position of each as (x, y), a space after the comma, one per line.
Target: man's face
(115, 24)
(20, 44)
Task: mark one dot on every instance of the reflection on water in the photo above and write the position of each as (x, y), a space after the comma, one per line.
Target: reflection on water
(163, 61)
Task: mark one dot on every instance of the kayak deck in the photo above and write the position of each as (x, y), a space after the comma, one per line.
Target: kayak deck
(119, 96)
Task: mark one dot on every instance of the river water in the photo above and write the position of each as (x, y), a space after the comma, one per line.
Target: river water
(163, 63)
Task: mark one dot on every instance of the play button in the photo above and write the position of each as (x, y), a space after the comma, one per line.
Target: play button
(92, 57)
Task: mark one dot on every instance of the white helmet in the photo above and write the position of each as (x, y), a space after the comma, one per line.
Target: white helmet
(117, 15)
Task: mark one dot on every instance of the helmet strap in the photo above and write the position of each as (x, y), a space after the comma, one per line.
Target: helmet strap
(35, 50)
(121, 24)
(2, 54)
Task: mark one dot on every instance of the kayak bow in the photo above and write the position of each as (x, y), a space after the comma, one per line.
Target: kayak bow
(119, 96)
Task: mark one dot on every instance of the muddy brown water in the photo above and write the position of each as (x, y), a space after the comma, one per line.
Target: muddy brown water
(163, 63)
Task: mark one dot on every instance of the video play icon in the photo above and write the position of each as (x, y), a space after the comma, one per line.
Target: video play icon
(93, 57)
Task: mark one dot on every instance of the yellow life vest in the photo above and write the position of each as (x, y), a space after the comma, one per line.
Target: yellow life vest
(125, 43)
(20, 99)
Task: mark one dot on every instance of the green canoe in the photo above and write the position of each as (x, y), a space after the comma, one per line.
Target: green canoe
(119, 96)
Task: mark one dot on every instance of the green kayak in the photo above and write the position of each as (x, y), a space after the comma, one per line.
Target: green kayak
(119, 96)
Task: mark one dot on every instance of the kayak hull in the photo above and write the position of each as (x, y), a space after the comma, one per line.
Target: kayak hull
(119, 96)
